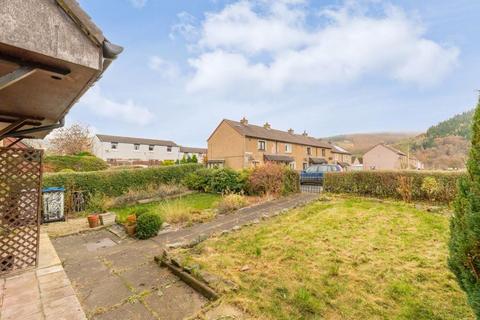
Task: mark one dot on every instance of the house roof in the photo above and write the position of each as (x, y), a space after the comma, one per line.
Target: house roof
(192, 150)
(337, 149)
(400, 153)
(81, 18)
(131, 140)
(278, 158)
(254, 131)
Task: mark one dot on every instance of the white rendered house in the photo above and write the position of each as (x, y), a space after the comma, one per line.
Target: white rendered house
(116, 148)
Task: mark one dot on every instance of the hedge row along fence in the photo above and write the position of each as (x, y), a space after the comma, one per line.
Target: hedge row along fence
(438, 187)
(117, 182)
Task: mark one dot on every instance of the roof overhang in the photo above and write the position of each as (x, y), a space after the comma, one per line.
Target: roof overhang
(278, 158)
(37, 86)
(313, 160)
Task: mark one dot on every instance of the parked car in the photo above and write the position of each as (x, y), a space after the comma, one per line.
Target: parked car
(315, 173)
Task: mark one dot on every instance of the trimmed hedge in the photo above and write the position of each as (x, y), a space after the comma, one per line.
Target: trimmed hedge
(117, 182)
(221, 180)
(79, 163)
(387, 184)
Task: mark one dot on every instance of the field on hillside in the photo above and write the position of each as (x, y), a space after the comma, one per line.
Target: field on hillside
(341, 258)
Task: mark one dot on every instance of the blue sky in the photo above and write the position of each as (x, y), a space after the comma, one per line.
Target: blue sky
(327, 67)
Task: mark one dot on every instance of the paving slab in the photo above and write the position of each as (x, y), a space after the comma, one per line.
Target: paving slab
(129, 311)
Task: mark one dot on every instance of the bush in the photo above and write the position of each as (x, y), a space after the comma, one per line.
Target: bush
(215, 180)
(79, 163)
(386, 184)
(118, 182)
(231, 202)
(430, 187)
(99, 203)
(464, 242)
(148, 225)
(273, 179)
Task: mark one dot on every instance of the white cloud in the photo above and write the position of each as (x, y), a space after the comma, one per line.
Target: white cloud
(127, 112)
(138, 3)
(167, 69)
(265, 45)
(186, 27)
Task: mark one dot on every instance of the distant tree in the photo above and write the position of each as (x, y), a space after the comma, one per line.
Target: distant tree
(464, 245)
(194, 159)
(71, 140)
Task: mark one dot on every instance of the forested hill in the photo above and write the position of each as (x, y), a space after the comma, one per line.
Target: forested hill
(458, 125)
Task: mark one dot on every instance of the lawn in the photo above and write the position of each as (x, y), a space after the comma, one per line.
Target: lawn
(345, 258)
(186, 209)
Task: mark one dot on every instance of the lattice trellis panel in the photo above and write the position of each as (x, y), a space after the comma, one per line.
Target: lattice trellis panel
(20, 185)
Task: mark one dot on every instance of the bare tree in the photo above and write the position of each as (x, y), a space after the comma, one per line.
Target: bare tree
(71, 140)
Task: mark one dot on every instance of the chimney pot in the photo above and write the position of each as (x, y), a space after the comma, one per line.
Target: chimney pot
(267, 125)
(305, 134)
(244, 121)
(290, 131)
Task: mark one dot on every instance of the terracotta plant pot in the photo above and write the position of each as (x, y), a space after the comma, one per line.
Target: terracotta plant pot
(132, 219)
(93, 220)
(131, 229)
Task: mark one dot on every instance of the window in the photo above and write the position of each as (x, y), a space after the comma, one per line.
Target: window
(136, 147)
(292, 165)
(169, 149)
(305, 166)
(261, 145)
(323, 152)
(288, 148)
(309, 151)
(150, 147)
(114, 145)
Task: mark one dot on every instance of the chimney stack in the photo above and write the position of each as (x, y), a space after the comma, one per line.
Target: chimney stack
(290, 131)
(305, 134)
(244, 121)
(267, 126)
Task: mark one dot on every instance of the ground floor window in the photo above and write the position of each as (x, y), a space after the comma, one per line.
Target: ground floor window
(305, 165)
(292, 165)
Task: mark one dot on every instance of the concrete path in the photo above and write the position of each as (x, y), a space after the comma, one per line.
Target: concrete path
(44, 293)
(118, 279)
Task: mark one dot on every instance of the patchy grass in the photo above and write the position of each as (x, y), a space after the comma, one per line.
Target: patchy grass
(347, 258)
(190, 208)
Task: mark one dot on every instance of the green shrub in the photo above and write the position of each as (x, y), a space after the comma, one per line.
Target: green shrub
(215, 180)
(385, 184)
(291, 181)
(148, 225)
(168, 162)
(141, 211)
(430, 187)
(117, 182)
(99, 203)
(464, 258)
(79, 163)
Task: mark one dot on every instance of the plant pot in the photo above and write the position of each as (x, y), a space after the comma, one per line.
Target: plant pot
(108, 218)
(93, 220)
(131, 229)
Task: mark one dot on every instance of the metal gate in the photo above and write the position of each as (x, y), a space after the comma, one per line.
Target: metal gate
(20, 184)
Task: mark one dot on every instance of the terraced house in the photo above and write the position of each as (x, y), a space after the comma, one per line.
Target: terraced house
(238, 145)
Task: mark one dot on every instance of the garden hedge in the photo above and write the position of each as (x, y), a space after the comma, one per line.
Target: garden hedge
(78, 163)
(386, 184)
(114, 183)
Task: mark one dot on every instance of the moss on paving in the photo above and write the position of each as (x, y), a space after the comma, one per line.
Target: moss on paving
(347, 258)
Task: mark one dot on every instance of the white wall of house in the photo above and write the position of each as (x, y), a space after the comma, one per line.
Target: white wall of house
(126, 151)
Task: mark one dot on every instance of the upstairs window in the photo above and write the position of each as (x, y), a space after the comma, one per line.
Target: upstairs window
(309, 151)
(150, 147)
(169, 149)
(136, 147)
(114, 145)
(288, 148)
(261, 145)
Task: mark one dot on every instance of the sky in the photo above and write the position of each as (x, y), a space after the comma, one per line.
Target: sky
(327, 67)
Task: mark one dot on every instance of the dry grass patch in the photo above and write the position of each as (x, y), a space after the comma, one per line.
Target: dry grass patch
(347, 258)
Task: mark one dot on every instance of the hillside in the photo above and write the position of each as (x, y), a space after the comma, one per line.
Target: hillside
(443, 146)
(359, 143)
